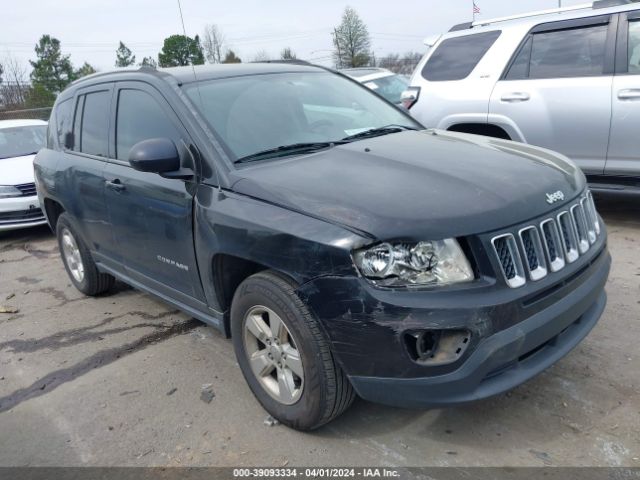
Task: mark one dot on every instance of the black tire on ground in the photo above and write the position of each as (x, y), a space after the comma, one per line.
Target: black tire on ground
(93, 282)
(326, 391)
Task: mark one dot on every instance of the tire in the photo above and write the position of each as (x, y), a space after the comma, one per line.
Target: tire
(325, 390)
(78, 262)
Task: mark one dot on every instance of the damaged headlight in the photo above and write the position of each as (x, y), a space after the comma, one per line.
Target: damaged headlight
(440, 262)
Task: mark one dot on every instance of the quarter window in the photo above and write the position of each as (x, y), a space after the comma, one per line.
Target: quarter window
(455, 58)
(62, 121)
(94, 126)
(576, 52)
(140, 117)
(634, 47)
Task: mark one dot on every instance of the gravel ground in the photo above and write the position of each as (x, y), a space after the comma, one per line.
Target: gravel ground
(126, 380)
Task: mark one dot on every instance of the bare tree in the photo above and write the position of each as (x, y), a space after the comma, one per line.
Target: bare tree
(287, 54)
(14, 88)
(261, 56)
(351, 41)
(213, 42)
(404, 64)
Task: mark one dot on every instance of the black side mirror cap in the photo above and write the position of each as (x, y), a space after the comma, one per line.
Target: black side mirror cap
(69, 140)
(157, 155)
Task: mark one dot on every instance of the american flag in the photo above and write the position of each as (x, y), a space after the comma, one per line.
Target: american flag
(476, 9)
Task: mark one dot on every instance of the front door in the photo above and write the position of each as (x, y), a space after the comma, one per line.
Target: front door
(558, 89)
(151, 215)
(624, 144)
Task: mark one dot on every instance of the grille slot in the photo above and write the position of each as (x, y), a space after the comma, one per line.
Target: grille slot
(507, 250)
(549, 246)
(27, 189)
(552, 244)
(21, 216)
(533, 253)
(594, 212)
(580, 222)
(569, 236)
(590, 219)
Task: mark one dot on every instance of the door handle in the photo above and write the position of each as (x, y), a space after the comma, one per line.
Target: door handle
(115, 185)
(515, 97)
(629, 94)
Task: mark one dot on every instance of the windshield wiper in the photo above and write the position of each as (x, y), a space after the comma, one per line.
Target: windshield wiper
(377, 132)
(284, 150)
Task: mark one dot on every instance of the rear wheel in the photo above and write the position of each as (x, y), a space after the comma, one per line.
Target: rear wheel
(78, 262)
(284, 356)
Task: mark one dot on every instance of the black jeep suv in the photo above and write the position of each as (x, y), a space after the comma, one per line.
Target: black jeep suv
(344, 248)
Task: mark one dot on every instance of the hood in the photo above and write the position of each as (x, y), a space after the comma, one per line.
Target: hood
(417, 185)
(16, 170)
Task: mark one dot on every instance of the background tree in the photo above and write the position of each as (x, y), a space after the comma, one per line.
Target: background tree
(261, 56)
(52, 70)
(230, 57)
(1, 72)
(403, 64)
(148, 62)
(124, 57)
(351, 41)
(14, 87)
(181, 50)
(85, 69)
(213, 42)
(287, 54)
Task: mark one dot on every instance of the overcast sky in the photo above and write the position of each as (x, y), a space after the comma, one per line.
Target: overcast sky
(89, 30)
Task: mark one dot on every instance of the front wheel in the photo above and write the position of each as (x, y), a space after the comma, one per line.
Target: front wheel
(82, 270)
(284, 356)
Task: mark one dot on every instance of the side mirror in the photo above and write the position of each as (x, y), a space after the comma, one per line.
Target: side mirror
(68, 140)
(157, 155)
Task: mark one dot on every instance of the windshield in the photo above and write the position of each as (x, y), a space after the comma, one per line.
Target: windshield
(390, 87)
(19, 141)
(261, 112)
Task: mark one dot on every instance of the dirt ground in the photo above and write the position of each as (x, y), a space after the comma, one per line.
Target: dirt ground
(118, 380)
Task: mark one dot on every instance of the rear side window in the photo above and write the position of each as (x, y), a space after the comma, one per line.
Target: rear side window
(634, 47)
(94, 124)
(577, 52)
(140, 117)
(61, 121)
(455, 58)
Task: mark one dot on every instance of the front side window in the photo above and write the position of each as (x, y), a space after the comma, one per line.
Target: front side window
(455, 58)
(94, 126)
(139, 118)
(390, 87)
(21, 141)
(255, 113)
(578, 52)
(634, 47)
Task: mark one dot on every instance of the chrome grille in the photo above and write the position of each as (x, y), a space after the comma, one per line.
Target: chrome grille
(549, 246)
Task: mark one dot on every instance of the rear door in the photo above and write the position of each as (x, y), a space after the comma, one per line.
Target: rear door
(82, 166)
(557, 89)
(151, 215)
(624, 144)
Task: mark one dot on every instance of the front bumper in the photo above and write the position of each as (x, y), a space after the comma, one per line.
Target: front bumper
(514, 339)
(20, 212)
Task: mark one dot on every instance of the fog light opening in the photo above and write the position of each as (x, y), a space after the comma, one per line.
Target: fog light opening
(437, 347)
(426, 344)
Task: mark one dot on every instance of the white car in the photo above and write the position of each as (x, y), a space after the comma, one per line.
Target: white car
(20, 140)
(382, 81)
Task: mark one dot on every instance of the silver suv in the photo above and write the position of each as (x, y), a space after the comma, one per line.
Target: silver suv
(566, 79)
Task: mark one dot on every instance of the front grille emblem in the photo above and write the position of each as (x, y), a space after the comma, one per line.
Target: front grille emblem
(555, 197)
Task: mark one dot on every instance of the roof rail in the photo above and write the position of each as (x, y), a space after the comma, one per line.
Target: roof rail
(611, 3)
(583, 6)
(461, 26)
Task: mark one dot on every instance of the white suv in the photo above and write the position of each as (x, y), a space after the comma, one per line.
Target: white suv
(566, 79)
